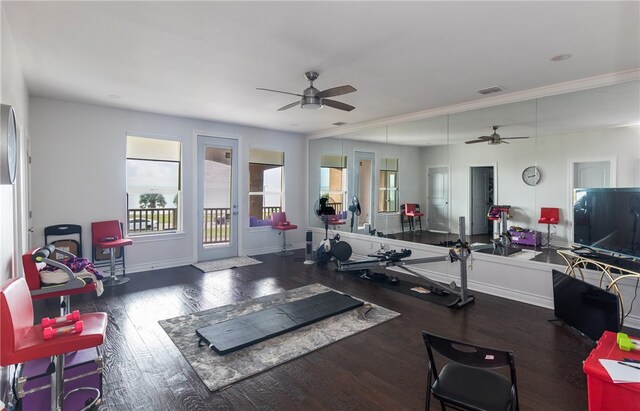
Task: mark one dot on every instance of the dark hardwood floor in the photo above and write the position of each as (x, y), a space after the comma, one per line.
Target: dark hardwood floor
(383, 368)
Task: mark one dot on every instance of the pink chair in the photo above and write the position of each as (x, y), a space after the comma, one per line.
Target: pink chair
(412, 211)
(549, 216)
(21, 341)
(107, 235)
(279, 222)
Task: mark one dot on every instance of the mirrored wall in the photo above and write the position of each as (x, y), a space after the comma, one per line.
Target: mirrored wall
(496, 166)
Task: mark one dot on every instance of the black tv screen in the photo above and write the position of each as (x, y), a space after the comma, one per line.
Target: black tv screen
(607, 219)
(585, 307)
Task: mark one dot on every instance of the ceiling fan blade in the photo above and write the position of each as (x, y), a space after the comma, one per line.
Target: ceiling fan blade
(475, 141)
(502, 141)
(278, 91)
(485, 138)
(288, 106)
(512, 138)
(337, 104)
(336, 91)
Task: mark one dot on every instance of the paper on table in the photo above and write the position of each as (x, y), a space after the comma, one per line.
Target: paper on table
(621, 373)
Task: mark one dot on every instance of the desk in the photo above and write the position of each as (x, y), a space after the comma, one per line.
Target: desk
(604, 394)
(612, 270)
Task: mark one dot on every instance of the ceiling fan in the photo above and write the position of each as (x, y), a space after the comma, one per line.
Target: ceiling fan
(493, 138)
(312, 98)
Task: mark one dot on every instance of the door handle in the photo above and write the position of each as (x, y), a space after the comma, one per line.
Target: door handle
(235, 213)
(30, 229)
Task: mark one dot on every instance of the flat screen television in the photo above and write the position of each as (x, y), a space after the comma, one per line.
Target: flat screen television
(607, 219)
(585, 307)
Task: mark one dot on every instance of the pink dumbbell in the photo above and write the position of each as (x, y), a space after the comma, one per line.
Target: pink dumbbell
(50, 332)
(73, 317)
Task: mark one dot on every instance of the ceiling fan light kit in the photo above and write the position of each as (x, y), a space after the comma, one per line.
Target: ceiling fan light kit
(314, 99)
(494, 138)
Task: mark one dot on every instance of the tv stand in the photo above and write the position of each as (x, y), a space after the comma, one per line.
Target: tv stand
(612, 269)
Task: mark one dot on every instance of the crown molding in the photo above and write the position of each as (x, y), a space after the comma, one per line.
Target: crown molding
(545, 91)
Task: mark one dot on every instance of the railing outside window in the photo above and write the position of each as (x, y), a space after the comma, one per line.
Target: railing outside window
(217, 221)
(147, 220)
(268, 211)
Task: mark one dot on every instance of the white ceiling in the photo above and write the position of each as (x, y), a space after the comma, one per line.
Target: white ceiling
(205, 59)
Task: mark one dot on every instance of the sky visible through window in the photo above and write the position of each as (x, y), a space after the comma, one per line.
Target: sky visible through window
(157, 177)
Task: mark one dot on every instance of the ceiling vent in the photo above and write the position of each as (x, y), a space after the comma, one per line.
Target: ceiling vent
(491, 90)
(339, 123)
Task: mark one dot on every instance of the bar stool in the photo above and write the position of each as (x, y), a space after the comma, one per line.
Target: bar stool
(412, 211)
(279, 222)
(108, 236)
(549, 216)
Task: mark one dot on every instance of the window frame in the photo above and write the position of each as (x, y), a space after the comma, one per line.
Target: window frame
(151, 216)
(341, 166)
(386, 192)
(263, 193)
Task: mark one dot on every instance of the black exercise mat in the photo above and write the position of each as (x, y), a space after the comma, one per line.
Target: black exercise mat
(240, 332)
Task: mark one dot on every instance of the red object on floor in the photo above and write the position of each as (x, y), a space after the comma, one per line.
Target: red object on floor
(604, 394)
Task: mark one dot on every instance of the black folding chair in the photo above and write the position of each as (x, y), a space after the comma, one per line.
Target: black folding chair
(67, 237)
(467, 381)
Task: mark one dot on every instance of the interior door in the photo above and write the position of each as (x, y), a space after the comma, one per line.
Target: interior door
(592, 174)
(364, 186)
(217, 198)
(480, 199)
(438, 217)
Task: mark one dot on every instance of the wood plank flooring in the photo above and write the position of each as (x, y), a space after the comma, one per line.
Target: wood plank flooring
(383, 368)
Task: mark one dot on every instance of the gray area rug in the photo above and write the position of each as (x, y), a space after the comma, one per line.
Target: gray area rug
(218, 371)
(217, 265)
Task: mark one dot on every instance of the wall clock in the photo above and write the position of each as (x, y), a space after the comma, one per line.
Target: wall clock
(531, 175)
(8, 144)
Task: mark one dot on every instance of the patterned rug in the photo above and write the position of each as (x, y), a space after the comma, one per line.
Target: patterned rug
(218, 371)
(217, 265)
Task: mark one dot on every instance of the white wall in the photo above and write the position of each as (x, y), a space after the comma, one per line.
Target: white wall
(13, 233)
(14, 93)
(79, 175)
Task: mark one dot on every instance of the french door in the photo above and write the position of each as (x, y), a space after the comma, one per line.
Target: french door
(217, 198)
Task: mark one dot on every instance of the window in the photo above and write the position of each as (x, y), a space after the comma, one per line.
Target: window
(153, 185)
(388, 186)
(266, 172)
(333, 180)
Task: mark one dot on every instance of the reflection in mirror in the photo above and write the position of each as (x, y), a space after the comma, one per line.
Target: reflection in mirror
(388, 186)
(489, 148)
(327, 167)
(333, 180)
(587, 139)
(573, 138)
(363, 188)
(421, 149)
(265, 185)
